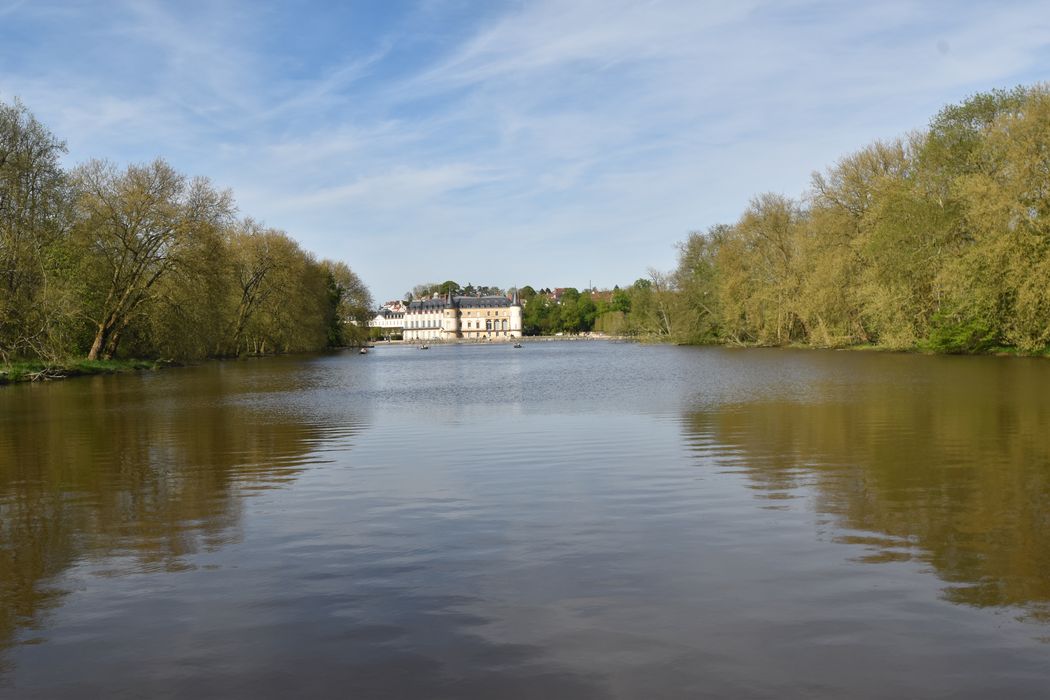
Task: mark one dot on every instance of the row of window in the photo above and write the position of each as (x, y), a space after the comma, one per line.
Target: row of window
(465, 313)
(490, 324)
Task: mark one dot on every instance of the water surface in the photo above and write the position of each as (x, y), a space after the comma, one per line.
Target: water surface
(568, 520)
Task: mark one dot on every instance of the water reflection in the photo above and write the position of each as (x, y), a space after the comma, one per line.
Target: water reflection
(573, 520)
(130, 475)
(942, 460)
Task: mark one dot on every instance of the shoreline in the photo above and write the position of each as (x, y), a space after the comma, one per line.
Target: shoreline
(36, 371)
(500, 341)
(25, 372)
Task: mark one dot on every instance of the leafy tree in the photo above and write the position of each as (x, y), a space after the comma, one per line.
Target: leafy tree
(449, 286)
(569, 294)
(697, 283)
(34, 216)
(145, 260)
(350, 305)
(134, 227)
(621, 301)
(537, 316)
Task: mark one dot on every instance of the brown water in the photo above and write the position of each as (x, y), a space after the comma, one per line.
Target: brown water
(568, 520)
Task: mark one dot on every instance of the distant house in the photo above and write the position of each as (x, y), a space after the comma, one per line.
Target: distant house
(558, 292)
(390, 318)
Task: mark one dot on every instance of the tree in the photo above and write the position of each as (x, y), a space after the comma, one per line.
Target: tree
(34, 215)
(536, 316)
(350, 305)
(134, 227)
(759, 280)
(696, 280)
(621, 301)
(449, 286)
(254, 254)
(996, 288)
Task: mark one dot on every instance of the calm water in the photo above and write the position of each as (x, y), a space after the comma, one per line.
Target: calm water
(569, 520)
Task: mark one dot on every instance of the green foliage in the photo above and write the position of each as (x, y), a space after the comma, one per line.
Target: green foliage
(950, 334)
(940, 240)
(621, 301)
(109, 262)
(538, 316)
(34, 214)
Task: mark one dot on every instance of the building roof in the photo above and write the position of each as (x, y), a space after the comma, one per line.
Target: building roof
(459, 303)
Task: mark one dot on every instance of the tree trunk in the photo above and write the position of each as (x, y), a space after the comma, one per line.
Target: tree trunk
(100, 342)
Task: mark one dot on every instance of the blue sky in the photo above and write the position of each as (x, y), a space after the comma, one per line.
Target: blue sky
(552, 143)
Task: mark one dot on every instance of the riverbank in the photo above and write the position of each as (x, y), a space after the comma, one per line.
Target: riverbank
(505, 341)
(34, 371)
(995, 351)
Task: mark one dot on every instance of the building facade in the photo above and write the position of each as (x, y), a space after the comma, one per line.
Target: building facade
(467, 318)
(390, 318)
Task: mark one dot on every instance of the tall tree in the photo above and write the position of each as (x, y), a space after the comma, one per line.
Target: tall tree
(33, 217)
(350, 305)
(134, 226)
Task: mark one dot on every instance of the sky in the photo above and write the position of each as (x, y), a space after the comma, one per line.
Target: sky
(503, 142)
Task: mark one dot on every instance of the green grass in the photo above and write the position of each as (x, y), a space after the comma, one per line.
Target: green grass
(35, 370)
(923, 349)
(1008, 350)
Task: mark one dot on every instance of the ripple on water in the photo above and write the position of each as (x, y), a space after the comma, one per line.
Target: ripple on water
(570, 520)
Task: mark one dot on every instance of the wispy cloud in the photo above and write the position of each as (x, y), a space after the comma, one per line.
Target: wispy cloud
(585, 137)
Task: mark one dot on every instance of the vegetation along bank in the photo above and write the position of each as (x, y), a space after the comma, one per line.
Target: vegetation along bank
(101, 262)
(938, 241)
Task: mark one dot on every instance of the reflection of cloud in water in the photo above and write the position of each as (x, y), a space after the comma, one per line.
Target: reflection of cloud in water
(576, 521)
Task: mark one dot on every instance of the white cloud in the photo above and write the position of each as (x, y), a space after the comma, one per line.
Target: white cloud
(587, 137)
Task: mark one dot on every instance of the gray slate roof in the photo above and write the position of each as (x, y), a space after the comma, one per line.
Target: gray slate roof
(458, 303)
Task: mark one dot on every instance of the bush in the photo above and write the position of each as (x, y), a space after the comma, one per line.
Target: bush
(950, 334)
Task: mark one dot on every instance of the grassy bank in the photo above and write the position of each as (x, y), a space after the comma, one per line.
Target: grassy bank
(997, 350)
(31, 371)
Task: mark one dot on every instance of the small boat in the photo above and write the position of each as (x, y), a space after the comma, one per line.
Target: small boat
(424, 347)
(362, 351)
(517, 345)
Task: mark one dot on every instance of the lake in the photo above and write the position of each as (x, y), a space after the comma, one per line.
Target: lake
(565, 520)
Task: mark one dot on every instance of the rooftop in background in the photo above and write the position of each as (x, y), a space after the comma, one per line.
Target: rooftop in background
(459, 302)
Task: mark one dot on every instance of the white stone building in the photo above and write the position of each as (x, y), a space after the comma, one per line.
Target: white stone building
(468, 318)
(390, 318)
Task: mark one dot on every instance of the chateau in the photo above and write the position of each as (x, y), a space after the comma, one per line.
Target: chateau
(468, 318)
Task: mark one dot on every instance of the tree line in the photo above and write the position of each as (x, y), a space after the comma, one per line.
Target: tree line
(937, 240)
(429, 289)
(142, 261)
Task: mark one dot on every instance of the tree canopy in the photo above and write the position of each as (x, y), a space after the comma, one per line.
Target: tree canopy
(141, 260)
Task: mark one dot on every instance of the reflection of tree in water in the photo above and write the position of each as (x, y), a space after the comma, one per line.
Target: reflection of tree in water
(85, 477)
(954, 471)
